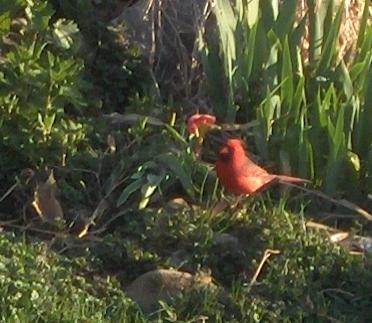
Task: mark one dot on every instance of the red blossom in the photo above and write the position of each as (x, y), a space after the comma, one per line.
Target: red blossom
(199, 123)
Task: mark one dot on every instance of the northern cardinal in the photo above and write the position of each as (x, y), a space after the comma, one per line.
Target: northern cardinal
(240, 175)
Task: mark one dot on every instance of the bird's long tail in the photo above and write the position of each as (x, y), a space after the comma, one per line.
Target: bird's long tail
(291, 179)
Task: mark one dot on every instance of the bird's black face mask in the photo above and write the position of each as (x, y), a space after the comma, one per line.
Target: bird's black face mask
(212, 143)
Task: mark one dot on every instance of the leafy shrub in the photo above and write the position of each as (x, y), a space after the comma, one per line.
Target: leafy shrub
(56, 76)
(112, 63)
(39, 79)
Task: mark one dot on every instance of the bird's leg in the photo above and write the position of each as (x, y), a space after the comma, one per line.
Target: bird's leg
(227, 202)
(236, 202)
(239, 201)
(220, 206)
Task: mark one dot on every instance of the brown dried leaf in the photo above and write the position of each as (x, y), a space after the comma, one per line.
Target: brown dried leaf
(177, 204)
(45, 202)
(338, 237)
(354, 243)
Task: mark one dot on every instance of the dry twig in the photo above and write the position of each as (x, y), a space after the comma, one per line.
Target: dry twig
(344, 203)
(266, 256)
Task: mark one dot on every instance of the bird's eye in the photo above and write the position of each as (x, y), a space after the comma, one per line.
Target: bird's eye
(224, 154)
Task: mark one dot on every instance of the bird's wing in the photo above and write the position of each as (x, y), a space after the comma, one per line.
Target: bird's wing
(254, 184)
(250, 169)
(254, 178)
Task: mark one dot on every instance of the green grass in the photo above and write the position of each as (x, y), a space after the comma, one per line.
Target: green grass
(310, 280)
(37, 285)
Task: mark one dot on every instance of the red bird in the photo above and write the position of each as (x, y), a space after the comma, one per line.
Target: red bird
(240, 175)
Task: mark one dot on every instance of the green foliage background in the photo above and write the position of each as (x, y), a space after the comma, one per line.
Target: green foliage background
(314, 114)
(55, 81)
(65, 71)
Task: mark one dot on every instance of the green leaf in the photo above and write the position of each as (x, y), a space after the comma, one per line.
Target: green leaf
(315, 33)
(227, 25)
(269, 13)
(153, 182)
(357, 69)
(346, 81)
(49, 122)
(250, 52)
(287, 77)
(64, 33)
(179, 170)
(117, 175)
(252, 12)
(147, 191)
(175, 134)
(366, 45)
(39, 13)
(306, 159)
(326, 10)
(299, 98)
(369, 171)
(274, 45)
(364, 137)
(333, 171)
(40, 120)
(329, 48)
(215, 75)
(354, 160)
(286, 18)
(338, 138)
(363, 24)
(129, 190)
(360, 73)
(4, 23)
